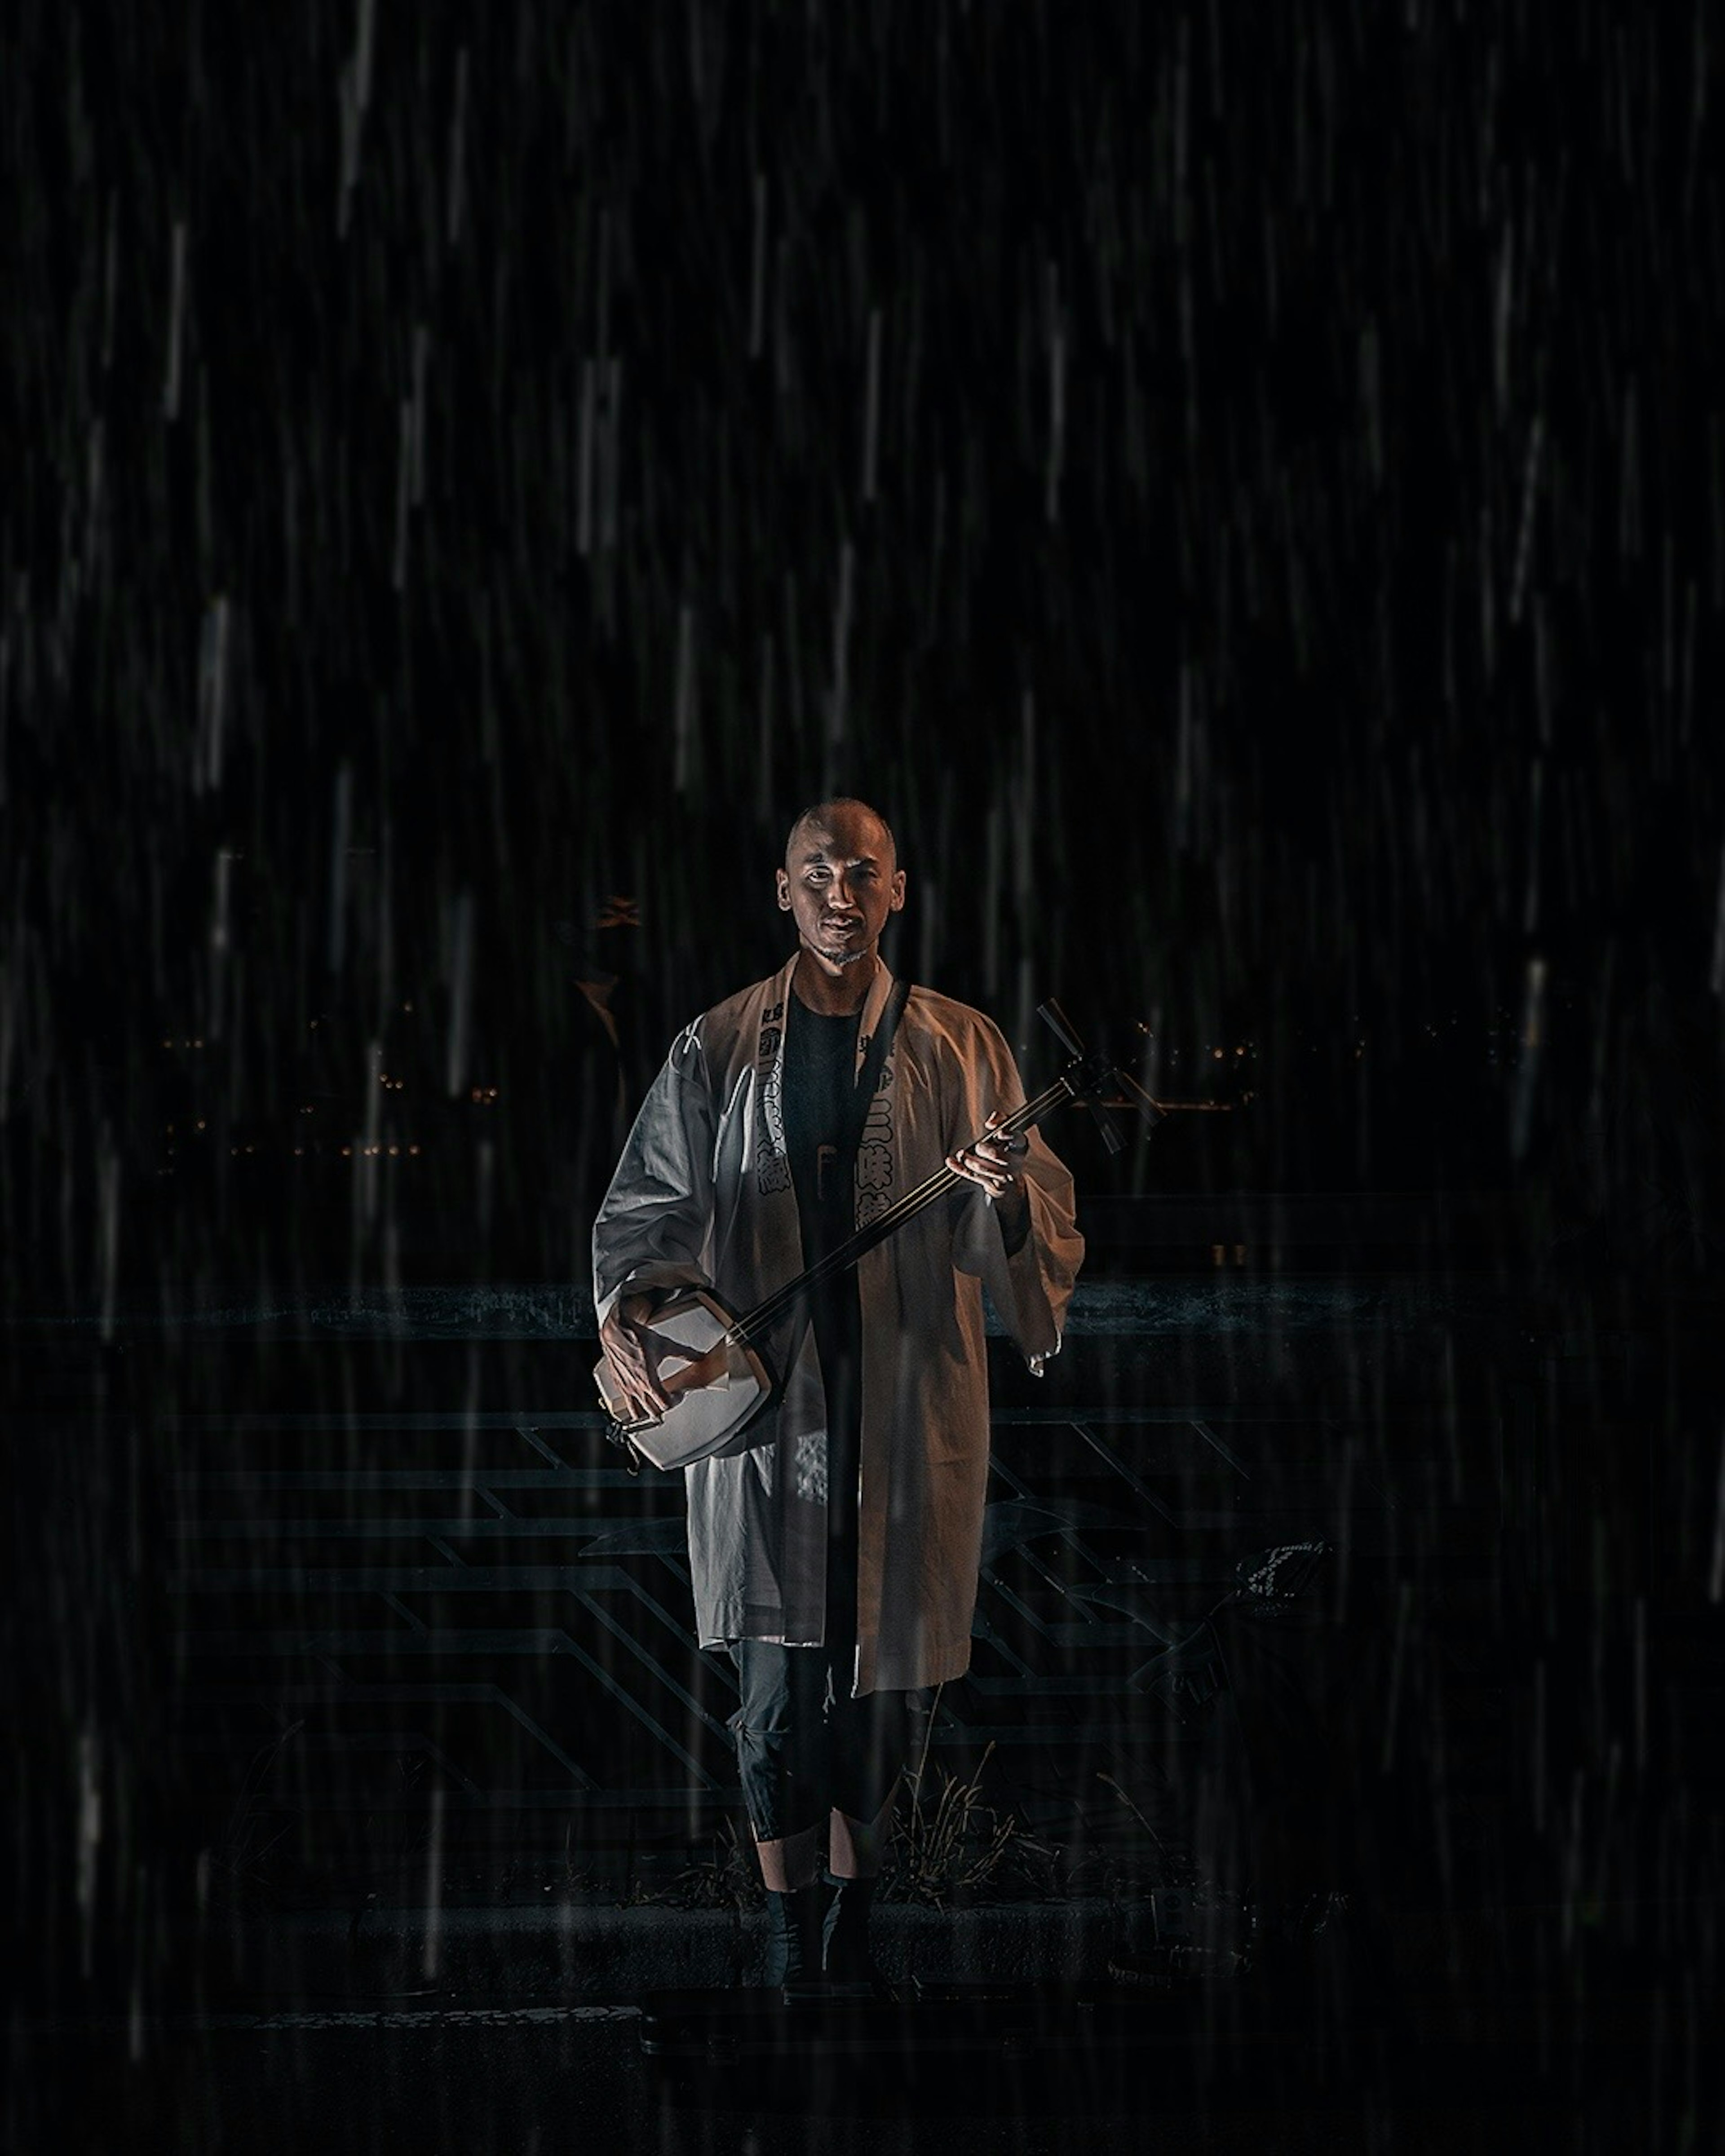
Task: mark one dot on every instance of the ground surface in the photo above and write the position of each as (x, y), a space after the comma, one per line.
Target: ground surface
(577, 2080)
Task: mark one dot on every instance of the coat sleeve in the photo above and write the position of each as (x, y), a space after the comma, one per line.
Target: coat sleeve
(1032, 1288)
(654, 1227)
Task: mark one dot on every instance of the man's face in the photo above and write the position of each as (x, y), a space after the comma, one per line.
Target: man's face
(839, 882)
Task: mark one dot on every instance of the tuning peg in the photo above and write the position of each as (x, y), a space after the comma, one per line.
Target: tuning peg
(1151, 1110)
(1107, 1125)
(1055, 1020)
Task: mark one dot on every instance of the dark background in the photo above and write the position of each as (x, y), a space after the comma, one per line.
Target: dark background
(1276, 600)
(1280, 607)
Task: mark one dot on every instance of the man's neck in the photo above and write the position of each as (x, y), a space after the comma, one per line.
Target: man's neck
(837, 992)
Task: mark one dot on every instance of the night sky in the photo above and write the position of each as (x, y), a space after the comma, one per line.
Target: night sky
(1242, 494)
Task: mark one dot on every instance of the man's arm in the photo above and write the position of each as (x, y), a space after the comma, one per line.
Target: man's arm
(627, 1340)
(1020, 1235)
(996, 1165)
(654, 1227)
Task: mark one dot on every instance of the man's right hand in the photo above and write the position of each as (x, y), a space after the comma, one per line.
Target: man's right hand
(633, 1354)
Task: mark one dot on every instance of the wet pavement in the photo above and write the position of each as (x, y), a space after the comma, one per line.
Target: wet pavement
(550, 2078)
(1509, 1703)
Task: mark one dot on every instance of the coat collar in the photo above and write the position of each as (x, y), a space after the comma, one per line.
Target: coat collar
(873, 1004)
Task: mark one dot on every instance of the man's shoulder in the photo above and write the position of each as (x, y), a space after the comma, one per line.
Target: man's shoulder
(947, 1018)
(734, 1007)
(726, 1021)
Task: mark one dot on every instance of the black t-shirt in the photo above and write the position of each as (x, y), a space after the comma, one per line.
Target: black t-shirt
(819, 1084)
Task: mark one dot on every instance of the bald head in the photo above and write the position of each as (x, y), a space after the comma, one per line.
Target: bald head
(839, 823)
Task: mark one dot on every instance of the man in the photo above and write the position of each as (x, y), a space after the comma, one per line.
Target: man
(834, 1550)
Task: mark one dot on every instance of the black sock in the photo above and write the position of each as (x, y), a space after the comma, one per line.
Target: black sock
(793, 1935)
(844, 1935)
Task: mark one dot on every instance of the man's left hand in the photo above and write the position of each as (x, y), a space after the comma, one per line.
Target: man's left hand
(996, 1162)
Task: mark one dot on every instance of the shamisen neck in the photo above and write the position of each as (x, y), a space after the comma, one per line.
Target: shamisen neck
(834, 991)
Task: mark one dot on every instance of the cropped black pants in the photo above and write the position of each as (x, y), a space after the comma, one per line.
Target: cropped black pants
(804, 1747)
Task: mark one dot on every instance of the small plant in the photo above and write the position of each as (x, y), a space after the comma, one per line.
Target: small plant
(729, 1880)
(576, 1878)
(947, 1843)
(1162, 1847)
(239, 1875)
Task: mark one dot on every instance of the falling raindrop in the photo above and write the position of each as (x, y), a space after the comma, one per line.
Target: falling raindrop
(176, 321)
(871, 413)
(461, 979)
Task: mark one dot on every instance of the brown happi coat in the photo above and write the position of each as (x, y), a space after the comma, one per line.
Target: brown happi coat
(703, 1192)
